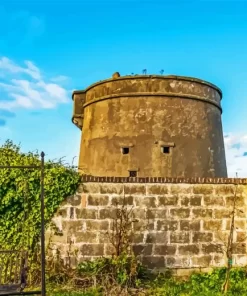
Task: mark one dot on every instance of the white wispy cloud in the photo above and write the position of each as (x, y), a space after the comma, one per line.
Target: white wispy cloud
(60, 78)
(26, 87)
(236, 154)
(30, 69)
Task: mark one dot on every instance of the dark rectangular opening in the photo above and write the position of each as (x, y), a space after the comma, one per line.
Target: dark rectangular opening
(125, 150)
(165, 149)
(133, 173)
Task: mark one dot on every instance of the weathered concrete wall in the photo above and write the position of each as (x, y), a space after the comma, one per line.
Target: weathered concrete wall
(145, 113)
(181, 225)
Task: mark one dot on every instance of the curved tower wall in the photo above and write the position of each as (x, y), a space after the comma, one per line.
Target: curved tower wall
(156, 126)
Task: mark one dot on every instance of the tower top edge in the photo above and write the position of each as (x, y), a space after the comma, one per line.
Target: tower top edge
(144, 77)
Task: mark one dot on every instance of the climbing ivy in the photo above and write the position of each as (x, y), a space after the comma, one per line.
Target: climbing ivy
(20, 219)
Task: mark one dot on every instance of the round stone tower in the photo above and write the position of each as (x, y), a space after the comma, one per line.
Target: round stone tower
(150, 126)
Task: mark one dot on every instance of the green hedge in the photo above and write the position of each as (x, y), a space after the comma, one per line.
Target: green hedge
(20, 195)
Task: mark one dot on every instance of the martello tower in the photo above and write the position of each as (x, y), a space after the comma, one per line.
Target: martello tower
(150, 126)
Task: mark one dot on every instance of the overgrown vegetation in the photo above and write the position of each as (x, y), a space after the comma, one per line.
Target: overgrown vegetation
(20, 221)
(208, 284)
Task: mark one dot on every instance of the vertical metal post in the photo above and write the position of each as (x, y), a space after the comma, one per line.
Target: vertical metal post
(42, 196)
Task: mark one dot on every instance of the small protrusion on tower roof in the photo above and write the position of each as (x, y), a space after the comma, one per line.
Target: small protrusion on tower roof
(115, 75)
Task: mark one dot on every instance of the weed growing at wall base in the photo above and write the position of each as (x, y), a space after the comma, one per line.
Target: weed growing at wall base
(200, 284)
(203, 284)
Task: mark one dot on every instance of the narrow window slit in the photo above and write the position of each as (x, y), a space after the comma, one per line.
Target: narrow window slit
(125, 150)
(133, 173)
(165, 149)
(72, 213)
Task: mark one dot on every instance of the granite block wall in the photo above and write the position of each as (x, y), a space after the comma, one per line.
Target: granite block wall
(178, 224)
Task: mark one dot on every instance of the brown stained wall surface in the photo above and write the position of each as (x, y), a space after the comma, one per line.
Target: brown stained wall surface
(145, 113)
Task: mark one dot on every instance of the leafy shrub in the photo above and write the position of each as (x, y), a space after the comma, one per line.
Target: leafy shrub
(20, 195)
(123, 270)
(202, 284)
(20, 219)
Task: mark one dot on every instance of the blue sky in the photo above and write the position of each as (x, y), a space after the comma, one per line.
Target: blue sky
(49, 48)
